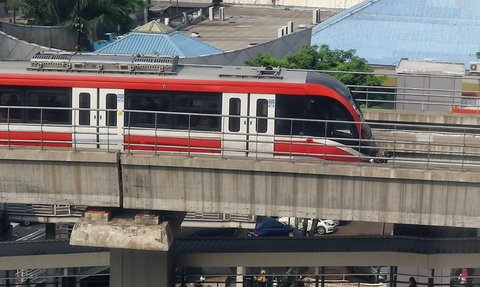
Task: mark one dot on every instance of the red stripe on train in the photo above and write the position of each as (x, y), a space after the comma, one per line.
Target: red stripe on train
(309, 148)
(35, 139)
(212, 145)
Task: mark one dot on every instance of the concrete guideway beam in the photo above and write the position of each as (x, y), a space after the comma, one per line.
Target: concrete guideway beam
(303, 189)
(59, 176)
(421, 117)
(142, 232)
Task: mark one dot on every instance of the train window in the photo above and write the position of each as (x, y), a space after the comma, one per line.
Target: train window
(289, 114)
(262, 111)
(309, 116)
(202, 104)
(11, 98)
(84, 115)
(234, 110)
(111, 104)
(60, 101)
(147, 102)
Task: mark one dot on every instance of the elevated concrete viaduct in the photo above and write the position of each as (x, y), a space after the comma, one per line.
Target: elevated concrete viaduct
(272, 187)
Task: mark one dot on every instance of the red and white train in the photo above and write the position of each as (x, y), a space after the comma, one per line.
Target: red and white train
(134, 102)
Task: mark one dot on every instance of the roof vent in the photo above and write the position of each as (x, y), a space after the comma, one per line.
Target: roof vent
(269, 71)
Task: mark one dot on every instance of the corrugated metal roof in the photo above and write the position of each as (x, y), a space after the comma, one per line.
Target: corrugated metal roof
(47, 247)
(384, 31)
(269, 245)
(328, 244)
(174, 43)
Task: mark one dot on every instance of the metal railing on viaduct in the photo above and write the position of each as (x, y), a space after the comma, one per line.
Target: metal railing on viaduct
(430, 178)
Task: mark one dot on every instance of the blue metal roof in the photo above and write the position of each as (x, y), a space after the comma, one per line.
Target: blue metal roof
(173, 43)
(384, 31)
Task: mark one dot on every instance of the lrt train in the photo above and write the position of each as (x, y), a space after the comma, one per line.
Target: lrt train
(140, 102)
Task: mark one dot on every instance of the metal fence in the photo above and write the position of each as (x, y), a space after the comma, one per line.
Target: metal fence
(45, 210)
(429, 96)
(218, 217)
(422, 145)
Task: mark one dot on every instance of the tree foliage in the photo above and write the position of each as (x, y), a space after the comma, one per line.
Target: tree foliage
(326, 59)
(97, 15)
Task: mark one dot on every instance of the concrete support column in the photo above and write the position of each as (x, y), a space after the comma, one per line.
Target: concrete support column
(50, 231)
(240, 278)
(144, 268)
(50, 280)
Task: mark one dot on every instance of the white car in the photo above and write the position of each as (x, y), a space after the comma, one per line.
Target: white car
(324, 226)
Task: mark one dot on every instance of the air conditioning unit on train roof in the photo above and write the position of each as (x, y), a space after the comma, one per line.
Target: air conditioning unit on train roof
(474, 67)
(95, 62)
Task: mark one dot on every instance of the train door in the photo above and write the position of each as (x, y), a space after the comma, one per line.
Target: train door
(84, 115)
(261, 129)
(110, 120)
(234, 123)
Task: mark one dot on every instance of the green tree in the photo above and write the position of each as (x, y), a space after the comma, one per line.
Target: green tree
(98, 16)
(326, 59)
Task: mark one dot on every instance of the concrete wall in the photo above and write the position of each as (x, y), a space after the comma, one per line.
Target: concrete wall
(422, 117)
(64, 38)
(274, 188)
(13, 49)
(331, 4)
(277, 48)
(59, 177)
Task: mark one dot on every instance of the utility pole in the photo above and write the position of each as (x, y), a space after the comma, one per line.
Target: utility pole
(78, 25)
(145, 11)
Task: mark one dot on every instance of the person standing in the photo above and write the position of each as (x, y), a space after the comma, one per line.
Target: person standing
(412, 282)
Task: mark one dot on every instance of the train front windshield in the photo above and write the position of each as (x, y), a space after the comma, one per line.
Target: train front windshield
(365, 129)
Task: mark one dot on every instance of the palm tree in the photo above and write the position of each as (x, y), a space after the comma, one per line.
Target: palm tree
(97, 15)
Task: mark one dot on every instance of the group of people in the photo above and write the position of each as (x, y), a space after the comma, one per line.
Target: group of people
(286, 281)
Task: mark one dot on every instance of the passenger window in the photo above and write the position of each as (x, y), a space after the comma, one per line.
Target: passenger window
(111, 104)
(60, 102)
(11, 98)
(84, 115)
(152, 103)
(289, 107)
(262, 111)
(234, 110)
(203, 104)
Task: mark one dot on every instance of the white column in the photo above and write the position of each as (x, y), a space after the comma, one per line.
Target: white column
(210, 14)
(222, 13)
(315, 17)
